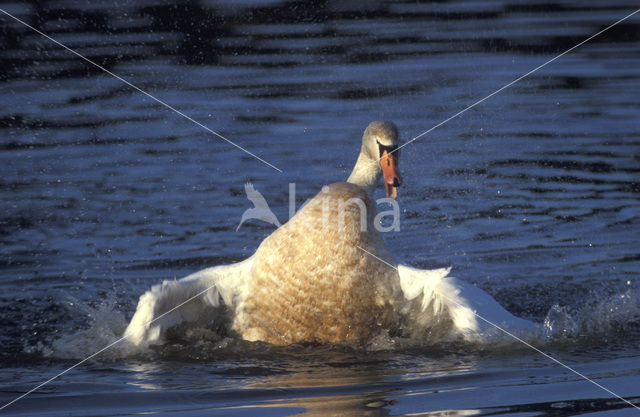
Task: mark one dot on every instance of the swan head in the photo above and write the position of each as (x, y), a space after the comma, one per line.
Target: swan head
(380, 145)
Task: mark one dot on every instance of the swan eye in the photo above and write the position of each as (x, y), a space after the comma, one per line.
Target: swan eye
(390, 149)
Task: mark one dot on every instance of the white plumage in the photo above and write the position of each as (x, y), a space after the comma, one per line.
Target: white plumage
(320, 278)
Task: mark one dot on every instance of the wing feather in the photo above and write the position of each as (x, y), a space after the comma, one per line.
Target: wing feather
(445, 299)
(207, 289)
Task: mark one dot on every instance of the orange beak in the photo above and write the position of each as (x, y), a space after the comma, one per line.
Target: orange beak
(390, 173)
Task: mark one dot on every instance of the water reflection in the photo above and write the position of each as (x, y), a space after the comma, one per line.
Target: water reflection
(369, 405)
(318, 380)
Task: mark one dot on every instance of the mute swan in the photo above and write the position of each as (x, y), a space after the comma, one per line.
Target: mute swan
(326, 276)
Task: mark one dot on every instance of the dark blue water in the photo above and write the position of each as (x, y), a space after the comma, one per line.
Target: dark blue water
(534, 195)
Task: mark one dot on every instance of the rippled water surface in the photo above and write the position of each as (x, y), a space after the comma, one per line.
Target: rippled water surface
(533, 195)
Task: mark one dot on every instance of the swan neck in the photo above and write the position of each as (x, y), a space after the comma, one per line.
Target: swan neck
(365, 173)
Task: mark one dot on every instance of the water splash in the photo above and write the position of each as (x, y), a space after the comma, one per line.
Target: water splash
(601, 317)
(106, 325)
(598, 319)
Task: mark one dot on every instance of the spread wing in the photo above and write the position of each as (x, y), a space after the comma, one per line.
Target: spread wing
(435, 299)
(199, 296)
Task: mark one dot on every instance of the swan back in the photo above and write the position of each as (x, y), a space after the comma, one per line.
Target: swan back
(311, 283)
